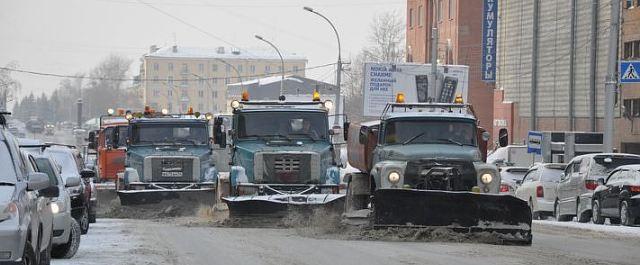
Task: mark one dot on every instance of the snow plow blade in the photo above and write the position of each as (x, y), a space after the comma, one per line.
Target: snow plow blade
(280, 205)
(465, 212)
(140, 197)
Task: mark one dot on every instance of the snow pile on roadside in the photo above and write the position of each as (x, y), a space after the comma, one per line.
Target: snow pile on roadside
(164, 209)
(616, 230)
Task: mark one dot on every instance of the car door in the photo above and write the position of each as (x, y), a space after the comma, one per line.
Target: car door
(613, 197)
(44, 210)
(523, 191)
(565, 196)
(606, 194)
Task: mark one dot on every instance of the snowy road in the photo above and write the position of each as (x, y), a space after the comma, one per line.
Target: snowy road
(116, 241)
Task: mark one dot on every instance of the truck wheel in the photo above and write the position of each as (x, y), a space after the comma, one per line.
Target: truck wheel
(28, 255)
(69, 249)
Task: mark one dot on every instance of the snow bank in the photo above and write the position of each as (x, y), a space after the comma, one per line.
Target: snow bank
(617, 230)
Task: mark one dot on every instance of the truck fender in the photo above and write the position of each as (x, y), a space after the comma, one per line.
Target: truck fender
(238, 175)
(130, 175)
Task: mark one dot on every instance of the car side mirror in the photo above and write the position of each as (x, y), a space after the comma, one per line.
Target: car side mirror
(363, 135)
(600, 181)
(72, 182)
(38, 181)
(87, 173)
(518, 182)
(50, 192)
(219, 135)
(345, 130)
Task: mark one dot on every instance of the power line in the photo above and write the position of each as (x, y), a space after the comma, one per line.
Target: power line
(363, 3)
(150, 79)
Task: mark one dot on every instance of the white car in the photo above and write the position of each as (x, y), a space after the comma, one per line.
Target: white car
(510, 178)
(539, 188)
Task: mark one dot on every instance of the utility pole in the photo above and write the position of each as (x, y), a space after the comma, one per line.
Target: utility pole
(611, 84)
(431, 95)
(533, 123)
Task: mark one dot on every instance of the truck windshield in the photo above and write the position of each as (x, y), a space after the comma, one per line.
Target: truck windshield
(122, 135)
(287, 125)
(430, 132)
(8, 174)
(175, 133)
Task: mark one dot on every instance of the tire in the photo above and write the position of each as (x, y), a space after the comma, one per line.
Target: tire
(625, 217)
(69, 249)
(28, 255)
(556, 213)
(92, 218)
(534, 215)
(584, 217)
(596, 214)
(83, 221)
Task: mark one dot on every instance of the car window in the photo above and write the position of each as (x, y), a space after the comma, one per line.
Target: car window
(635, 177)
(6, 163)
(551, 174)
(584, 165)
(567, 172)
(45, 167)
(535, 175)
(602, 165)
(613, 177)
(67, 162)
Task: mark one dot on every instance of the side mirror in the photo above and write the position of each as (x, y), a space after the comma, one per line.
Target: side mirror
(503, 137)
(72, 182)
(92, 140)
(38, 181)
(50, 192)
(87, 173)
(219, 135)
(600, 181)
(345, 128)
(518, 181)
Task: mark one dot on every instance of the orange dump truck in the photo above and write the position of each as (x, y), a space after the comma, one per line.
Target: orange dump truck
(110, 145)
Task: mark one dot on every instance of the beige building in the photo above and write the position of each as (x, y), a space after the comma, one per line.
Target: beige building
(177, 77)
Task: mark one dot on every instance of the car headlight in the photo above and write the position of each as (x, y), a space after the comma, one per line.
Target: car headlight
(394, 177)
(55, 208)
(486, 178)
(10, 211)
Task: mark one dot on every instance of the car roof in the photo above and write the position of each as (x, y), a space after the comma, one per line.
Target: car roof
(630, 167)
(604, 155)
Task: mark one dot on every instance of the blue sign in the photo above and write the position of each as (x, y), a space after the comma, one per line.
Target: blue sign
(489, 40)
(534, 142)
(629, 72)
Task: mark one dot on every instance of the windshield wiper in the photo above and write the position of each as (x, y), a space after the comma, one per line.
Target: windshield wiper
(7, 184)
(451, 141)
(305, 134)
(412, 138)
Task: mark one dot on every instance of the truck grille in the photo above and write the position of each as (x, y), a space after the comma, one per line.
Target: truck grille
(285, 168)
(447, 174)
(286, 165)
(172, 169)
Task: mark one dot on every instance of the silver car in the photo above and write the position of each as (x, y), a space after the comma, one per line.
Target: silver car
(66, 230)
(579, 180)
(510, 178)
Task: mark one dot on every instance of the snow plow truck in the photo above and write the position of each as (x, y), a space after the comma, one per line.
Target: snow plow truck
(422, 165)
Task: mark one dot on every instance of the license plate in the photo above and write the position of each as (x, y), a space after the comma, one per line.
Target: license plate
(172, 174)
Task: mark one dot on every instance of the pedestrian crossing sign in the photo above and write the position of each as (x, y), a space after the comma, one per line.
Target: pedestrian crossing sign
(630, 72)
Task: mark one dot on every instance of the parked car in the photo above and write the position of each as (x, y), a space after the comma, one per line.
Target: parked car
(511, 178)
(82, 205)
(618, 197)
(579, 180)
(538, 187)
(513, 155)
(26, 221)
(66, 230)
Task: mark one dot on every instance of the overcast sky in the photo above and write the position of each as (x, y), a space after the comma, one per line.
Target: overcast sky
(71, 36)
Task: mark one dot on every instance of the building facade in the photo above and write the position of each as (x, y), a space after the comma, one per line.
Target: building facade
(552, 63)
(459, 24)
(628, 125)
(177, 77)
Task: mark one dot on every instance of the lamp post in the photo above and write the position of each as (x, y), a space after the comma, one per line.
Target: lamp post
(339, 69)
(281, 61)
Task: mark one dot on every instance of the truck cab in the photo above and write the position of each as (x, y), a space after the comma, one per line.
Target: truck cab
(167, 154)
(280, 148)
(110, 144)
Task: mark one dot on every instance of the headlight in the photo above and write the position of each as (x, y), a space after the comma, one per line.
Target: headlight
(55, 208)
(394, 177)
(11, 210)
(486, 178)
(328, 104)
(235, 104)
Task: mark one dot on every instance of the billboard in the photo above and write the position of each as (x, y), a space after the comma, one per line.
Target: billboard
(489, 43)
(382, 81)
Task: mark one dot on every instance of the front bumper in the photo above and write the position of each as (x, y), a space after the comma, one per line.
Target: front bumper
(543, 205)
(61, 228)
(12, 240)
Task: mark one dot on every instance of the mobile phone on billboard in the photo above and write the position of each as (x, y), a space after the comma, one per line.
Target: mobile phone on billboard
(422, 87)
(448, 91)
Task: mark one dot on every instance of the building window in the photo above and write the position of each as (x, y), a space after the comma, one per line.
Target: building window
(200, 106)
(155, 79)
(452, 9)
(214, 67)
(240, 68)
(170, 67)
(631, 107)
(215, 94)
(227, 81)
(156, 67)
(440, 10)
(200, 82)
(156, 93)
(185, 68)
(420, 15)
(170, 94)
(184, 82)
(411, 17)
(170, 80)
(252, 69)
(629, 4)
(185, 93)
(201, 68)
(214, 81)
(200, 93)
(279, 69)
(632, 49)
(170, 107)
(296, 69)
(267, 69)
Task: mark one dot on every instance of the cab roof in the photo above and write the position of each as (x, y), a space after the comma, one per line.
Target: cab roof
(181, 120)
(428, 110)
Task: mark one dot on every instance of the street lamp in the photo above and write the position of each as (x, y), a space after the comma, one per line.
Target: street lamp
(339, 70)
(281, 61)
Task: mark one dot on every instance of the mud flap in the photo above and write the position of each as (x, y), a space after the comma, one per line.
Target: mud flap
(280, 205)
(140, 197)
(459, 211)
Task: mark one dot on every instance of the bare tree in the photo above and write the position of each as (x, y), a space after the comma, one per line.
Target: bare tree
(8, 85)
(386, 44)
